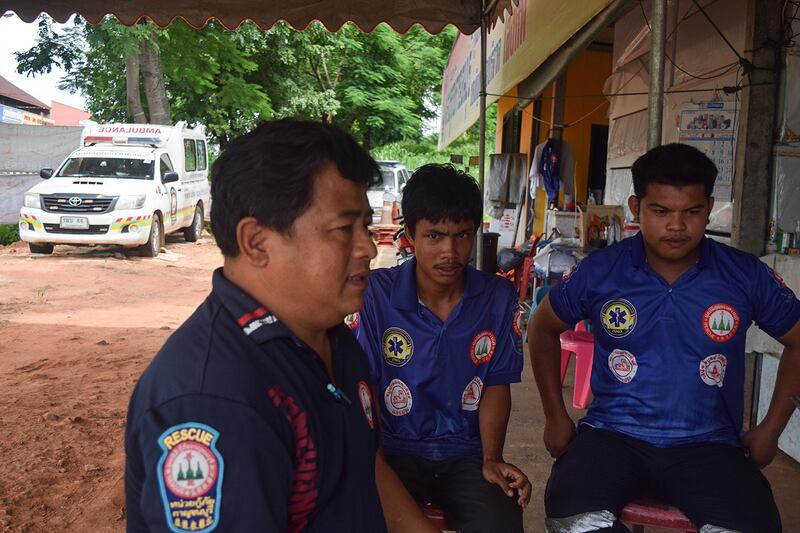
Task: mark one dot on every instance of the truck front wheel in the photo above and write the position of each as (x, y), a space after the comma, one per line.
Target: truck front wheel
(153, 245)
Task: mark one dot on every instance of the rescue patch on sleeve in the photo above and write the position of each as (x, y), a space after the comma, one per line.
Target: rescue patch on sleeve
(190, 477)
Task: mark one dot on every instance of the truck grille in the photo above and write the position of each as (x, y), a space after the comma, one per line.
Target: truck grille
(78, 203)
(93, 230)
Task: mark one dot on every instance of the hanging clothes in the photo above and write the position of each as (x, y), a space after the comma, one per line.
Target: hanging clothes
(565, 172)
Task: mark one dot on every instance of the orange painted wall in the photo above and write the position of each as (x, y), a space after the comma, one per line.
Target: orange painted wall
(585, 76)
(66, 115)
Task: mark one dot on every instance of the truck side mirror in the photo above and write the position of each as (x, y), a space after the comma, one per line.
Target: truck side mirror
(169, 177)
(46, 173)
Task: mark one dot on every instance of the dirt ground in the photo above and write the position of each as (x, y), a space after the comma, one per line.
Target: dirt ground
(76, 330)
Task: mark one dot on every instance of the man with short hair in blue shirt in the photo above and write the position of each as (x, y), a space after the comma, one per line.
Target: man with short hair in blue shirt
(670, 309)
(444, 345)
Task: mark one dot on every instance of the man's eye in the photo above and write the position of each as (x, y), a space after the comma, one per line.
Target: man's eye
(462, 235)
(433, 236)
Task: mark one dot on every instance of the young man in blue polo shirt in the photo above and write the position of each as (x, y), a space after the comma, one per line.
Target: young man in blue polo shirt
(670, 310)
(444, 346)
(258, 414)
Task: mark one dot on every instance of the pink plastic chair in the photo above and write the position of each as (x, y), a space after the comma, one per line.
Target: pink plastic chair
(581, 343)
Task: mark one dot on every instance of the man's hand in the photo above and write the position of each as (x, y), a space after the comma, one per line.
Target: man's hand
(558, 432)
(762, 443)
(509, 478)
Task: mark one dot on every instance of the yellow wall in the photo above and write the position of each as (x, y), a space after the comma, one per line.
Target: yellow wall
(585, 76)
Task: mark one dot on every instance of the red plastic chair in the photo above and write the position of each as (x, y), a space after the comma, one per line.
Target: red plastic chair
(581, 343)
(435, 515)
(648, 513)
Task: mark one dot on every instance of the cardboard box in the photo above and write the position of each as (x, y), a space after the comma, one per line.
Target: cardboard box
(596, 218)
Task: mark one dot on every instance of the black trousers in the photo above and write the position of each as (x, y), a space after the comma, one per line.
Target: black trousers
(711, 484)
(470, 503)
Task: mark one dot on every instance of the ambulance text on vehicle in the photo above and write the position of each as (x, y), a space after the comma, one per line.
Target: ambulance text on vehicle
(127, 184)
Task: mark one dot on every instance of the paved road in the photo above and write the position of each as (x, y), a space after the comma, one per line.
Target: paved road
(12, 189)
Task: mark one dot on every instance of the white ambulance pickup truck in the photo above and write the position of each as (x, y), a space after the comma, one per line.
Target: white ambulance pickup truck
(127, 184)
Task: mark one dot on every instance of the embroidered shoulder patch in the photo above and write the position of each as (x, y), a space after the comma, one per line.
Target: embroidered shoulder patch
(190, 477)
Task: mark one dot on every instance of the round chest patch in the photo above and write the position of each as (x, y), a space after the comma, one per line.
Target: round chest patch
(190, 470)
(618, 318)
(519, 323)
(471, 396)
(623, 365)
(397, 346)
(712, 369)
(482, 348)
(720, 322)
(365, 396)
(352, 320)
(398, 398)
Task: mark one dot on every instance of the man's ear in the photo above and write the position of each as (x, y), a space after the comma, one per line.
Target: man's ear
(633, 205)
(253, 240)
(710, 206)
(409, 234)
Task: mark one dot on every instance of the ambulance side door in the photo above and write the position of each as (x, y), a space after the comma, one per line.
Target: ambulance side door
(171, 197)
(188, 179)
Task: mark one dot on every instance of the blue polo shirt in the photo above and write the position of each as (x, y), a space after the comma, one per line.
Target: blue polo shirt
(669, 359)
(430, 373)
(232, 427)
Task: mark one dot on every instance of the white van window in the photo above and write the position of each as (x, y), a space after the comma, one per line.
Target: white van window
(202, 160)
(166, 164)
(108, 167)
(191, 154)
(387, 180)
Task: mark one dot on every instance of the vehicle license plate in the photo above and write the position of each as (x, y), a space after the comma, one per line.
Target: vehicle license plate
(75, 222)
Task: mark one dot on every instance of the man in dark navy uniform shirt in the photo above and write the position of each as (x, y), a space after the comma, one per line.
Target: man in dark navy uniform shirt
(257, 414)
(444, 347)
(670, 310)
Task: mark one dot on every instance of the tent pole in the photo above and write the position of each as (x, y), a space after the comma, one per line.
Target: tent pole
(655, 99)
(482, 136)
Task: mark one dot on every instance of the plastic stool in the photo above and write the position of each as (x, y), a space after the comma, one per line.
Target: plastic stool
(581, 343)
(643, 513)
(435, 515)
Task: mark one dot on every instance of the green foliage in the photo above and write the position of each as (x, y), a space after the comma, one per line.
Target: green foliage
(415, 153)
(9, 233)
(380, 86)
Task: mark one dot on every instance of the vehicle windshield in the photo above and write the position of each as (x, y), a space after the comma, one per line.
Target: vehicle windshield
(387, 180)
(108, 167)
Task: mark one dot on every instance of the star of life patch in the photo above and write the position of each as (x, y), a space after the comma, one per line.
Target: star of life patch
(398, 398)
(618, 318)
(623, 365)
(471, 397)
(190, 477)
(365, 397)
(712, 369)
(398, 347)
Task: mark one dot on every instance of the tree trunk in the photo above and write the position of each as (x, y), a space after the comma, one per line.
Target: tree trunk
(154, 86)
(134, 99)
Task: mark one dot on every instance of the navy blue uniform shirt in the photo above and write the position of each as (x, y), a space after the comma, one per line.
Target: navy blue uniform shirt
(669, 359)
(232, 428)
(432, 373)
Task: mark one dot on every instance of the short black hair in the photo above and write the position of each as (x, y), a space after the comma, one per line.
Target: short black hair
(673, 164)
(441, 192)
(270, 172)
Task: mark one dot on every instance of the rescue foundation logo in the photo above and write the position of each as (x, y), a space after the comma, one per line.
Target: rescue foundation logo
(712, 369)
(365, 396)
(618, 318)
(398, 398)
(519, 323)
(397, 346)
(352, 321)
(471, 396)
(190, 477)
(623, 365)
(720, 322)
(482, 348)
